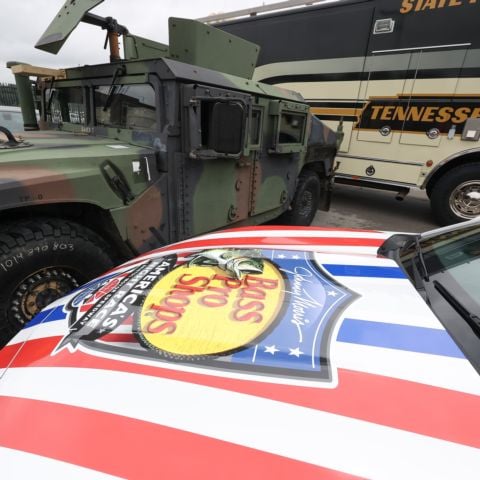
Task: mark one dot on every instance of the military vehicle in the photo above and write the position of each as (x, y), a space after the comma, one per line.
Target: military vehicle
(165, 143)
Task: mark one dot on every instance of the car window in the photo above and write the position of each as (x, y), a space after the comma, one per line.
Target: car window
(12, 120)
(445, 268)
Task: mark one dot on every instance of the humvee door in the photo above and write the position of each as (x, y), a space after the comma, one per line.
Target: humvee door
(217, 175)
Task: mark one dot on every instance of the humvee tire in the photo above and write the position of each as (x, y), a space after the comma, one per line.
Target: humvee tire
(454, 197)
(305, 202)
(37, 267)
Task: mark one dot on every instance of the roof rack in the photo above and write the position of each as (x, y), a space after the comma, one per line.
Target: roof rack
(30, 70)
(252, 12)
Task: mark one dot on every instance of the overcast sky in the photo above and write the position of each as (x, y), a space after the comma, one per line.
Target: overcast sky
(22, 23)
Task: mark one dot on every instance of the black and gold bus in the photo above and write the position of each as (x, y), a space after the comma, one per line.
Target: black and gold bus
(403, 75)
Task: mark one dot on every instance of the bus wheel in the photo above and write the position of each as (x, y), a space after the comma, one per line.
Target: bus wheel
(456, 195)
(305, 202)
(42, 260)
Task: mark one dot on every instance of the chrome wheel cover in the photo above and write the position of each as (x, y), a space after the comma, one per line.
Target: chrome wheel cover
(465, 199)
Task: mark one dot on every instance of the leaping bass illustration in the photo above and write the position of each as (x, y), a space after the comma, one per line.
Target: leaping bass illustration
(234, 262)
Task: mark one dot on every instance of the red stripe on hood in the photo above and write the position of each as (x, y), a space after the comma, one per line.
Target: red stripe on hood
(137, 449)
(437, 412)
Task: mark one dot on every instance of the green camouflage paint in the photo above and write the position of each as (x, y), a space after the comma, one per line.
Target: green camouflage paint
(134, 154)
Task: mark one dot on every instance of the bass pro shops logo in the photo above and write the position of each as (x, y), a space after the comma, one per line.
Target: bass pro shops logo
(196, 311)
(266, 311)
(419, 114)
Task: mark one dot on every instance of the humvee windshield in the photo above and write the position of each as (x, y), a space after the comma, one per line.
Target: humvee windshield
(119, 106)
(125, 106)
(66, 105)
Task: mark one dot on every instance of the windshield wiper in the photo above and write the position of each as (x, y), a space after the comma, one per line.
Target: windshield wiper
(471, 318)
(50, 98)
(421, 259)
(118, 72)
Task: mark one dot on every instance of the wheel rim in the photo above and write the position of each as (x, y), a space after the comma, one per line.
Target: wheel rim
(306, 203)
(465, 199)
(39, 290)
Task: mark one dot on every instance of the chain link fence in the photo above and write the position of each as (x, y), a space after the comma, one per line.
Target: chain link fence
(8, 95)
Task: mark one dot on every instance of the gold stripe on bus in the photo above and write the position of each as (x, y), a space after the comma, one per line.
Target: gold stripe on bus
(402, 96)
(443, 95)
(347, 112)
(415, 132)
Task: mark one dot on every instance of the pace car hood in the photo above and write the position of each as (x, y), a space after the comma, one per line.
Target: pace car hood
(277, 351)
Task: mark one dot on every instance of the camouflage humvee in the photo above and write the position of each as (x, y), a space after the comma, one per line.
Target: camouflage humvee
(169, 142)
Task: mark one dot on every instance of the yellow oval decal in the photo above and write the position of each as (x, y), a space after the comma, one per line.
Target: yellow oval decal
(199, 310)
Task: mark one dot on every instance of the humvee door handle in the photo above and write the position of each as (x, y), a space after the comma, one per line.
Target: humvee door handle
(117, 182)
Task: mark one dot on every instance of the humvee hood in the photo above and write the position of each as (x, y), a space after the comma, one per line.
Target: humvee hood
(40, 146)
(63, 167)
(58, 139)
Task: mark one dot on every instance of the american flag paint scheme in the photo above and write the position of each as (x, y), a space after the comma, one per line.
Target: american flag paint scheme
(250, 353)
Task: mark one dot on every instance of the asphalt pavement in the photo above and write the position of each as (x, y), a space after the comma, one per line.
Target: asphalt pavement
(360, 207)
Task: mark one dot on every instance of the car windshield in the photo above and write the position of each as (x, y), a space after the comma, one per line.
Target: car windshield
(452, 260)
(444, 266)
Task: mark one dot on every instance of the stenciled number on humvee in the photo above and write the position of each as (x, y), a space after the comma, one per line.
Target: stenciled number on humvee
(169, 142)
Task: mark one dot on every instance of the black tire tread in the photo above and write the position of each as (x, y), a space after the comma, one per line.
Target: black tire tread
(23, 231)
(289, 217)
(16, 235)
